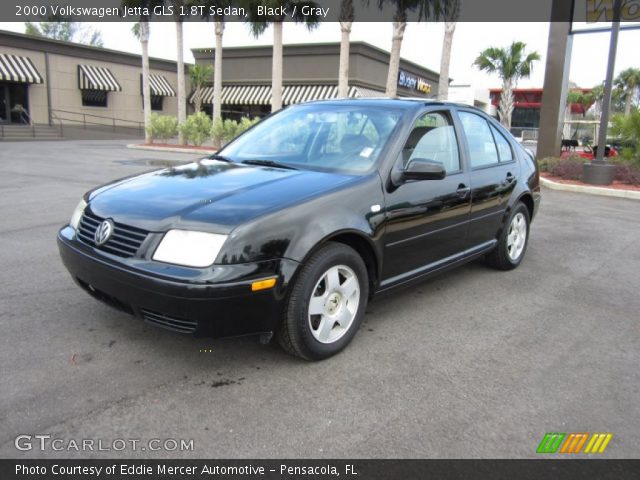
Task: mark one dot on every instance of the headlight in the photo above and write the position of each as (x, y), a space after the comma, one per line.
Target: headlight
(77, 214)
(191, 249)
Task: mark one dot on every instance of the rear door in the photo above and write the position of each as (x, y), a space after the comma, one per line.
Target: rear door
(427, 220)
(493, 176)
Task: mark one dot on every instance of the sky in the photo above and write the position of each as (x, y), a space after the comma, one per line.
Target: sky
(422, 45)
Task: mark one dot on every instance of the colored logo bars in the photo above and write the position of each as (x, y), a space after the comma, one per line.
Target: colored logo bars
(573, 443)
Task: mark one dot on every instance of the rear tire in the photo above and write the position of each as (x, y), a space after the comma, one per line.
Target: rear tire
(326, 304)
(513, 240)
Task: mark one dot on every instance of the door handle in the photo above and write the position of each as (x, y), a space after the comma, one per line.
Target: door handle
(463, 190)
(509, 179)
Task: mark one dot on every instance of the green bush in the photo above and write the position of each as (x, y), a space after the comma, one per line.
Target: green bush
(628, 130)
(162, 127)
(196, 128)
(225, 131)
(246, 123)
(548, 163)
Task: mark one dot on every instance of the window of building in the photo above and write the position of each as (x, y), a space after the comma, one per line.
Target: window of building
(433, 138)
(94, 98)
(504, 148)
(156, 103)
(482, 147)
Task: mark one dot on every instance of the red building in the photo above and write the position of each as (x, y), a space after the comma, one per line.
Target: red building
(527, 103)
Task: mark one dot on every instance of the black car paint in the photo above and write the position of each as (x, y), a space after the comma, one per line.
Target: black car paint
(276, 218)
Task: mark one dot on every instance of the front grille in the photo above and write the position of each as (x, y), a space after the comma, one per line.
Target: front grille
(124, 241)
(171, 323)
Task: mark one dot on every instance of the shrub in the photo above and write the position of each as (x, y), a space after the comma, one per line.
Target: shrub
(628, 130)
(627, 171)
(246, 123)
(548, 163)
(569, 168)
(162, 127)
(196, 128)
(225, 131)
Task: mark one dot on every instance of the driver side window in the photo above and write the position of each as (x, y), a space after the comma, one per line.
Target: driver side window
(433, 138)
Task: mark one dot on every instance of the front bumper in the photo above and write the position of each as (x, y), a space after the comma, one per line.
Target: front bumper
(213, 302)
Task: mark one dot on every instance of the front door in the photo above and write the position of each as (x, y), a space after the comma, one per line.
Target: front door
(427, 220)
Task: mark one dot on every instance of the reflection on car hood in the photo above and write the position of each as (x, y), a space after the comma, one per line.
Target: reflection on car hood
(213, 192)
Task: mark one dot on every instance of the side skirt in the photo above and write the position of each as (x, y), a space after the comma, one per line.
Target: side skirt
(434, 268)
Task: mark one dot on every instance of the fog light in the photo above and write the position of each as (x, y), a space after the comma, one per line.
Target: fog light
(263, 284)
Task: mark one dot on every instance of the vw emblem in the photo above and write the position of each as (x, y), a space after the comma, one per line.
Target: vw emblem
(103, 232)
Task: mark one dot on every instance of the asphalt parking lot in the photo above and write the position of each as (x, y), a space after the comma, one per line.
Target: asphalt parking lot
(473, 364)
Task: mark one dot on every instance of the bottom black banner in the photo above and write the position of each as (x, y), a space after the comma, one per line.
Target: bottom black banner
(317, 469)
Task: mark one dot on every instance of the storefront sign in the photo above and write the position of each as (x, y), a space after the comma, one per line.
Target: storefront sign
(413, 82)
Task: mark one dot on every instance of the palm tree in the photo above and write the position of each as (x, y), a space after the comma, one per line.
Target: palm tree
(451, 13)
(219, 25)
(628, 83)
(423, 9)
(142, 31)
(346, 21)
(259, 24)
(597, 93)
(199, 75)
(182, 101)
(510, 64)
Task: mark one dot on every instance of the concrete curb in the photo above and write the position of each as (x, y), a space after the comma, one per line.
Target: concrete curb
(150, 148)
(602, 191)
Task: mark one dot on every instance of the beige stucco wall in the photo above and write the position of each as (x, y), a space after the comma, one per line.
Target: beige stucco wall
(37, 92)
(124, 105)
(65, 94)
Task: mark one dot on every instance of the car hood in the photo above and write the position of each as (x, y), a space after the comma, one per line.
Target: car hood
(218, 194)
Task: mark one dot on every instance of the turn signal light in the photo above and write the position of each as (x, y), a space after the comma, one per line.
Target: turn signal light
(263, 284)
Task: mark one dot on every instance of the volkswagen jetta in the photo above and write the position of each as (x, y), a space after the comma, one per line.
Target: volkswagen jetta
(295, 225)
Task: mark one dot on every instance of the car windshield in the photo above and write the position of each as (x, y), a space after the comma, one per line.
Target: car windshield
(344, 138)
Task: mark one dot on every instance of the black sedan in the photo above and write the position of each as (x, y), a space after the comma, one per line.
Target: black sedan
(295, 225)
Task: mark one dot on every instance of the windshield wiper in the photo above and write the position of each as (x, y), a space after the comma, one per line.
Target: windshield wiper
(268, 163)
(215, 156)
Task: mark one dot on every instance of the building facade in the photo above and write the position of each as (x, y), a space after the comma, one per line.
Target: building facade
(310, 72)
(47, 81)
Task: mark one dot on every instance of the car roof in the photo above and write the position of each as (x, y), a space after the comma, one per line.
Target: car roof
(397, 102)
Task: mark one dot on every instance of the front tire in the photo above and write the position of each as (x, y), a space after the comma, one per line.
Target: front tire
(513, 240)
(326, 304)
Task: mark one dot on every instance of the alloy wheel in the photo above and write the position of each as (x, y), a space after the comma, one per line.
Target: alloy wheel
(334, 304)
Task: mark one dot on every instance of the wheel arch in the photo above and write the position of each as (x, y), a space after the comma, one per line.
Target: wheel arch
(527, 199)
(362, 244)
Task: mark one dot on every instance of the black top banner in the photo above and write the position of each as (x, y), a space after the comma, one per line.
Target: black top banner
(592, 11)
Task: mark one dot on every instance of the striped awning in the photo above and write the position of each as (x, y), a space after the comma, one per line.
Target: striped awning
(362, 92)
(159, 86)
(261, 94)
(91, 77)
(14, 68)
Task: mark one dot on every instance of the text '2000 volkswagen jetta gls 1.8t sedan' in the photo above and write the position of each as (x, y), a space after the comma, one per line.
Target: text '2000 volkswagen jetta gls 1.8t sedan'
(296, 224)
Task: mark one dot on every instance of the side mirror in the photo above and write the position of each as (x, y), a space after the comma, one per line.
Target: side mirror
(424, 169)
